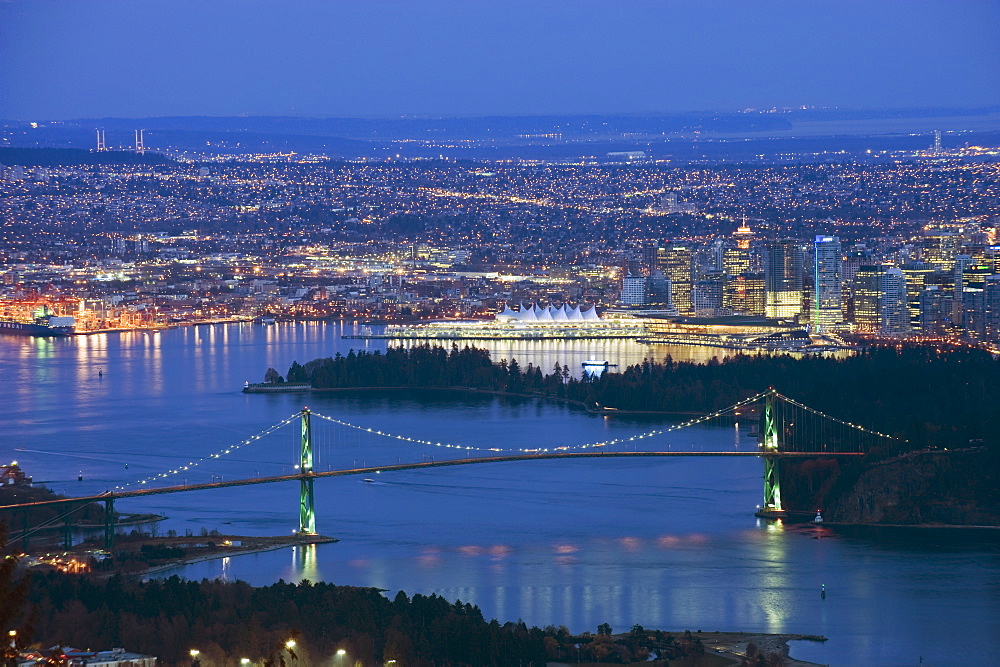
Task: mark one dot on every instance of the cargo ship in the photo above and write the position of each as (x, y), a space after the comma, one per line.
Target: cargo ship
(46, 325)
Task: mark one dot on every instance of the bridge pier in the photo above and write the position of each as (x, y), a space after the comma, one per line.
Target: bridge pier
(307, 500)
(109, 524)
(67, 534)
(772, 484)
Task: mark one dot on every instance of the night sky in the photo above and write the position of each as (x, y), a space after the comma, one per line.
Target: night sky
(133, 58)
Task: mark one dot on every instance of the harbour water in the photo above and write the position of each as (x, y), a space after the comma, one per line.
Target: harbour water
(665, 543)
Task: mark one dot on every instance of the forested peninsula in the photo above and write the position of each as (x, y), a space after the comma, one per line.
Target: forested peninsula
(941, 405)
(229, 620)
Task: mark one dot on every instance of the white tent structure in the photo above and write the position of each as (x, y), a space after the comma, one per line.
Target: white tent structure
(549, 314)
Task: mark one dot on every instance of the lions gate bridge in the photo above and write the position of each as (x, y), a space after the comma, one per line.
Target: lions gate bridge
(786, 429)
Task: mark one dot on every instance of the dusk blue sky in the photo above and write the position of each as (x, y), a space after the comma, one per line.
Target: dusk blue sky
(130, 58)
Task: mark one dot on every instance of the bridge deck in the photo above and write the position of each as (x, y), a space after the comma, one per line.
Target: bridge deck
(152, 491)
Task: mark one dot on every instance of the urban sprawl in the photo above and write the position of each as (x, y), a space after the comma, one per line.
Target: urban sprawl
(901, 249)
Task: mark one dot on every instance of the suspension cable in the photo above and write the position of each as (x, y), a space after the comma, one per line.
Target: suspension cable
(835, 419)
(606, 443)
(217, 455)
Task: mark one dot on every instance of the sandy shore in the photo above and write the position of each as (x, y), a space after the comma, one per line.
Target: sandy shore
(733, 645)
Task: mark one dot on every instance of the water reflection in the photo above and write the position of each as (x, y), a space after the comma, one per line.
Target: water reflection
(667, 543)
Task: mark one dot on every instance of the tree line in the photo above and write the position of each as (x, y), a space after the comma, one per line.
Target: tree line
(304, 623)
(923, 396)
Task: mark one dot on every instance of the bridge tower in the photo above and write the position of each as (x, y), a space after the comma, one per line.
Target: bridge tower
(769, 445)
(109, 523)
(307, 506)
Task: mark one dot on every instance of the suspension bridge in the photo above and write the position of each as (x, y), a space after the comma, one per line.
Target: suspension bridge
(786, 429)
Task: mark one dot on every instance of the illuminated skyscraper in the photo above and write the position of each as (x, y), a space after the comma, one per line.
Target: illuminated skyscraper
(707, 295)
(991, 298)
(658, 292)
(827, 293)
(633, 290)
(675, 263)
(783, 278)
(916, 280)
(879, 296)
(894, 315)
(941, 246)
(744, 294)
(865, 297)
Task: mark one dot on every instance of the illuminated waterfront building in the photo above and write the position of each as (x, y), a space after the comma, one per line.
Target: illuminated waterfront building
(935, 310)
(735, 261)
(991, 303)
(675, 263)
(633, 290)
(968, 275)
(879, 297)
(894, 316)
(707, 295)
(916, 281)
(865, 298)
(783, 262)
(827, 290)
(744, 294)
(658, 291)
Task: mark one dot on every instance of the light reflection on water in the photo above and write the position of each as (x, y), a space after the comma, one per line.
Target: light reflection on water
(667, 543)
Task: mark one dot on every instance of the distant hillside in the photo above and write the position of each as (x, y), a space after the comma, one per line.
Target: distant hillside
(53, 157)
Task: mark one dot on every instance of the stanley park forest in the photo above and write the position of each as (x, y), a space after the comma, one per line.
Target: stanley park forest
(229, 620)
(922, 396)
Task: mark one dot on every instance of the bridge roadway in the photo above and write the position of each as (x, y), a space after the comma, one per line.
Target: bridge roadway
(152, 491)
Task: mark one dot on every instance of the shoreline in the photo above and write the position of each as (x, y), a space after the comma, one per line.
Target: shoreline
(278, 389)
(218, 549)
(733, 645)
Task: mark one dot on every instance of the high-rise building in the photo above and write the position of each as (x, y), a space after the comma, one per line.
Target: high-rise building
(854, 260)
(707, 295)
(865, 299)
(783, 263)
(935, 309)
(916, 280)
(894, 315)
(991, 299)
(735, 261)
(675, 263)
(827, 289)
(941, 246)
(744, 294)
(879, 296)
(658, 292)
(633, 290)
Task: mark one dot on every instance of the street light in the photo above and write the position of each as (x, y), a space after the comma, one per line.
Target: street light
(244, 661)
(290, 644)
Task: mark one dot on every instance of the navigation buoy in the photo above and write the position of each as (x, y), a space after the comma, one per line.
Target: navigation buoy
(822, 591)
(819, 517)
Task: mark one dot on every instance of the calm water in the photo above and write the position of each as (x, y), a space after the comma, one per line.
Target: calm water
(667, 543)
